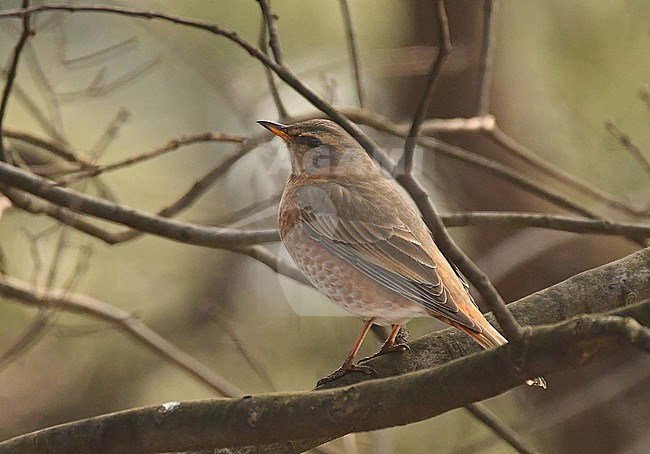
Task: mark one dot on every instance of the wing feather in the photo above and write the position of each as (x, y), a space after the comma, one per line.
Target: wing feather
(378, 244)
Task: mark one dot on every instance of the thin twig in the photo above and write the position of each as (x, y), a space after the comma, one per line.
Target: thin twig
(100, 88)
(172, 145)
(274, 262)
(281, 70)
(380, 123)
(34, 109)
(474, 274)
(505, 432)
(501, 138)
(444, 48)
(249, 210)
(12, 71)
(53, 146)
(546, 221)
(16, 289)
(256, 364)
(354, 52)
(490, 11)
(506, 174)
(270, 78)
(626, 142)
(271, 20)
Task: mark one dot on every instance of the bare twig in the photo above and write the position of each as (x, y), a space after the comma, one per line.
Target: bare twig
(271, 20)
(478, 278)
(33, 108)
(256, 364)
(547, 221)
(281, 70)
(490, 11)
(506, 433)
(53, 146)
(354, 52)
(444, 48)
(245, 212)
(384, 124)
(12, 71)
(626, 142)
(172, 145)
(98, 87)
(504, 140)
(14, 288)
(506, 174)
(270, 78)
(144, 222)
(274, 262)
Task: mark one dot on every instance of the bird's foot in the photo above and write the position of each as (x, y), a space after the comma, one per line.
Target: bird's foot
(387, 349)
(344, 369)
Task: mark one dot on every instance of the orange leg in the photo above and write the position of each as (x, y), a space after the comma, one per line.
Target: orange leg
(348, 365)
(389, 345)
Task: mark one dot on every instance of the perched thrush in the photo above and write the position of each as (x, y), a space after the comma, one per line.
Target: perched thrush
(361, 243)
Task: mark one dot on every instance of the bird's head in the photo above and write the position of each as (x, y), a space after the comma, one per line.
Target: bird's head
(322, 148)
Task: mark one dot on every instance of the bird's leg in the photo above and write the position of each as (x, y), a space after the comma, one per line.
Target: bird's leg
(390, 345)
(348, 364)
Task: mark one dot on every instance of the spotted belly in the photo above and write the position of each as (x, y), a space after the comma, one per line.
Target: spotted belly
(347, 286)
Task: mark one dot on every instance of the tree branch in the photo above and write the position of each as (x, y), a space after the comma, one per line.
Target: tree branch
(71, 302)
(12, 71)
(546, 221)
(510, 436)
(372, 405)
(354, 53)
(490, 11)
(144, 222)
(324, 415)
(444, 48)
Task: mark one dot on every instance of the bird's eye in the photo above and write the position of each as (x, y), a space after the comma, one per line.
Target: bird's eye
(313, 142)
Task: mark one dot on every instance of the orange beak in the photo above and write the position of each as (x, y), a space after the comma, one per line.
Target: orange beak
(278, 129)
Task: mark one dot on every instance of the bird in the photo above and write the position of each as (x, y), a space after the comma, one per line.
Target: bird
(362, 244)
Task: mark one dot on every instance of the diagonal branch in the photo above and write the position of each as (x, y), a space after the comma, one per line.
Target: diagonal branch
(444, 48)
(490, 11)
(354, 52)
(509, 435)
(172, 145)
(472, 272)
(139, 220)
(16, 289)
(12, 71)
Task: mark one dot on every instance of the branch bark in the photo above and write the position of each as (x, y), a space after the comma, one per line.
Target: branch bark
(326, 414)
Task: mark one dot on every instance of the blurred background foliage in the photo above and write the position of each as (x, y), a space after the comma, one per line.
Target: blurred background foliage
(561, 69)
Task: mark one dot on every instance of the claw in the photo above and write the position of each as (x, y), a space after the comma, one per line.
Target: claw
(387, 349)
(344, 369)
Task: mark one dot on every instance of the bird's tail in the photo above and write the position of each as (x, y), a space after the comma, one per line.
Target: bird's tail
(489, 337)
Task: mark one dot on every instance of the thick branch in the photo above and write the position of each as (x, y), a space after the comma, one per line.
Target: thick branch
(328, 414)
(372, 405)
